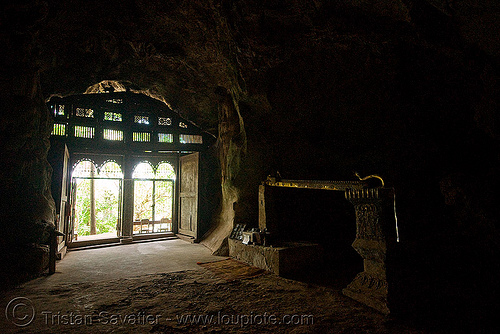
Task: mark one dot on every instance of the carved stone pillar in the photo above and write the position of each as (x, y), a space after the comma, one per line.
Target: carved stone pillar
(375, 236)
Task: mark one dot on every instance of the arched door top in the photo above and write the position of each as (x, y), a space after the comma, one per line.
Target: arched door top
(87, 168)
(165, 170)
(145, 170)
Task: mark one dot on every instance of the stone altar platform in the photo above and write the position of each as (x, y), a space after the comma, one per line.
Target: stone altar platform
(284, 259)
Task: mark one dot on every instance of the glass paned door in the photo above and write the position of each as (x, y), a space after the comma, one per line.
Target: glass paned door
(153, 204)
(153, 198)
(163, 203)
(143, 199)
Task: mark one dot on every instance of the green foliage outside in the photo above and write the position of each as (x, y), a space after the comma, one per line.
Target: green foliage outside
(106, 206)
(163, 199)
(143, 199)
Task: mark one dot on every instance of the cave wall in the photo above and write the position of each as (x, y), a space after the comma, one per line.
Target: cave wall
(25, 126)
(26, 204)
(405, 89)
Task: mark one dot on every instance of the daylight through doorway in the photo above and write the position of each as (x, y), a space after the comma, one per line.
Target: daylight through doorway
(96, 200)
(153, 198)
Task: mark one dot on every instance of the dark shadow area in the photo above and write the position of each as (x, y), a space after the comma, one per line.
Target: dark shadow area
(320, 216)
(336, 275)
(452, 286)
(24, 256)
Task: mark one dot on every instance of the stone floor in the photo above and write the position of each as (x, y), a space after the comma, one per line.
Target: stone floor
(129, 260)
(157, 287)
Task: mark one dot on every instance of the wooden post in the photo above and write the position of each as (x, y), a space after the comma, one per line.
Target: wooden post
(52, 251)
(128, 210)
(93, 228)
(53, 234)
(262, 207)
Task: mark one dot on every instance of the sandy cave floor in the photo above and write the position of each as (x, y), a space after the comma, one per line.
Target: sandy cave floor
(157, 303)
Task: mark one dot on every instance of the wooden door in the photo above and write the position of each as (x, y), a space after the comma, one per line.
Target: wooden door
(70, 225)
(188, 195)
(64, 205)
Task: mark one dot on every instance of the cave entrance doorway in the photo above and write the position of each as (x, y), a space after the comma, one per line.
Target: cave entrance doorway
(96, 201)
(153, 197)
(163, 159)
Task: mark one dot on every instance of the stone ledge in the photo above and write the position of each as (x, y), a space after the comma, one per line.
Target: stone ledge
(289, 258)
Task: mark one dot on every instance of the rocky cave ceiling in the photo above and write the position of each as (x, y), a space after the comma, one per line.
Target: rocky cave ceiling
(182, 50)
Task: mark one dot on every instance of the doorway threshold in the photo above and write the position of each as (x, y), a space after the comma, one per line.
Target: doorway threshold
(153, 236)
(93, 242)
(97, 243)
